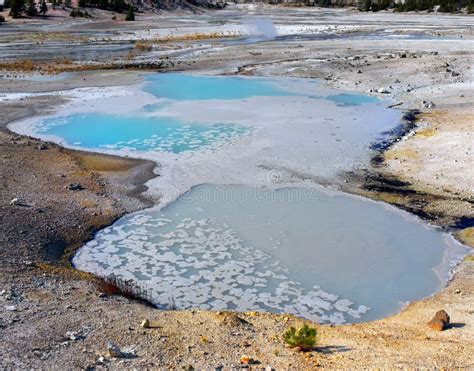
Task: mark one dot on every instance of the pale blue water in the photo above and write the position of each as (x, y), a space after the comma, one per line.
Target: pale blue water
(190, 87)
(138, 133)
(294, 250)
(144, 132)
(346, 99)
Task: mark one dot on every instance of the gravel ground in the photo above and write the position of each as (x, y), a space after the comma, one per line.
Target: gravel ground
(53, 317)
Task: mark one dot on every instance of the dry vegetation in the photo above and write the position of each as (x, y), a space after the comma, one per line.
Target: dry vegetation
(50, 68)
(194, 37)
(143, 46)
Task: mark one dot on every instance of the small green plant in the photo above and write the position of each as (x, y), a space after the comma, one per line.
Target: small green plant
(304, 338)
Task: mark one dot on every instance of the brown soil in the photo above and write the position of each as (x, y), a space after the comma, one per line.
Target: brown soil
(53, 317)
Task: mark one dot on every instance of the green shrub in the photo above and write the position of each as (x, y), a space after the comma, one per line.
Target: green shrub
(304, 338)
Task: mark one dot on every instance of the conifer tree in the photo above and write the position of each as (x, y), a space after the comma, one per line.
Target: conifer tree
(16, 8)
(31, 8)
(43, 8)
(130, 14)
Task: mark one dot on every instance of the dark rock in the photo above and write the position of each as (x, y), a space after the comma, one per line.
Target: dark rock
(437, 324)
(440, 321)
(114, 350)
(442, 316)
(75, 187)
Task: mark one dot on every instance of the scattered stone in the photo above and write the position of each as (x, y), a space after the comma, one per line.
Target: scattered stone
(145, 323)
(75, 187)
(383, 91)
(102, 295)
(15, 202)
(72, 335)
(442, 316)
(457, 291)
(440, 321)
(246, 360)
(437, 324)
(11, 308)
(42, 146)
(114, 350)
(397, 81)
(428, 104)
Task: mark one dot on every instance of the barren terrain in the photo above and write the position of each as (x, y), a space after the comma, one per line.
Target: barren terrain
(53, 317)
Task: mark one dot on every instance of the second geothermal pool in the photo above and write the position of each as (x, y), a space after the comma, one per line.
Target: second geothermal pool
(324, 256)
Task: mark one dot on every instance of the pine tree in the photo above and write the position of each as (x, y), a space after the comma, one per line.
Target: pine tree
(130, 14)
(470, 6)
(410, 5)
(365, 5)
(447, 6)
(43, 8)
(118, 5)
(31, 8)
(16, 8)
(103, 4)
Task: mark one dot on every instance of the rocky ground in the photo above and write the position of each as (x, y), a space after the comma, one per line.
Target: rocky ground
(53, 317)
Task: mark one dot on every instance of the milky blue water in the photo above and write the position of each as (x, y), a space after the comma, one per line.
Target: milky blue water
(145, 131)
(330, 258)
(138, 133)
(189, 87)
(346, 99)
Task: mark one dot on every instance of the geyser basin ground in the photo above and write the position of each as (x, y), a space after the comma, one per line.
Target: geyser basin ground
(223, 130)
(327, 257)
